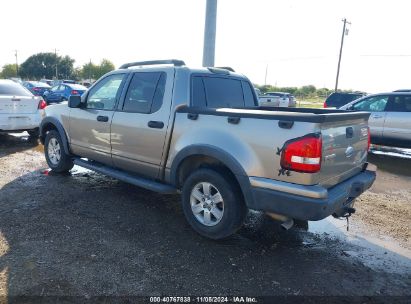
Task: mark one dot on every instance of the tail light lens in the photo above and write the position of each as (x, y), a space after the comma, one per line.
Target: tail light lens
(325, 104)
(303, 154)
(369, 139)
(42, 104)
(74, 92)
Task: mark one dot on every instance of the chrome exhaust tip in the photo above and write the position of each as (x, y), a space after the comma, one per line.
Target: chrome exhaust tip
(286, 222)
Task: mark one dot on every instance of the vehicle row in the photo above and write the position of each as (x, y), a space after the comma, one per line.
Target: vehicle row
(54, 94)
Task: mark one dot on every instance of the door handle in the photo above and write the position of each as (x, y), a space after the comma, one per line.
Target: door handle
(102, 118)
(156, 124)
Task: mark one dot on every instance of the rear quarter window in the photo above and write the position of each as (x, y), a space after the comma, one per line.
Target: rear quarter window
(220, 92)
(223, 93)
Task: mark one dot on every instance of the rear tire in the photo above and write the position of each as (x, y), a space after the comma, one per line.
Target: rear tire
(56, 157)
(213, 204)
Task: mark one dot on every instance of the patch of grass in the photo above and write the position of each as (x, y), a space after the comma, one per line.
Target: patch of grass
(314, 102)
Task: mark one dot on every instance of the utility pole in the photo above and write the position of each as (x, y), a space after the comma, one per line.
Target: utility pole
(344, 32)
(266, 72)
(17, 64)
(210, 33)
(55, 53)
(89, 72)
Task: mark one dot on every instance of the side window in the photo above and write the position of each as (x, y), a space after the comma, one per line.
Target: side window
(407, 103)
(145, 93)
(248, 95)
(104, 94)
(399, 104)
(223, 92)
(198, 97)
(62, 87)
(372, 104)
(54, 89)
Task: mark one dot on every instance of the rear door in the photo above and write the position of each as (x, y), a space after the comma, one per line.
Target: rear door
(140, 125)
(376, 105)
(397, 127)
(90, 126)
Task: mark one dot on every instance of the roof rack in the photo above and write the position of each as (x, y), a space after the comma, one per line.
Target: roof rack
(226, 68)
(174, 62)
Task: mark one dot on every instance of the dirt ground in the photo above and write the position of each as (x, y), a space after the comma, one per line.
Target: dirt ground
(88, 235)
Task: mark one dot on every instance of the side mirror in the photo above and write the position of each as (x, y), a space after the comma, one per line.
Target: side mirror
(74, 101)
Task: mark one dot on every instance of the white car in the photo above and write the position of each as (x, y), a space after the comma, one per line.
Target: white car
(20, 110)
(276, 99)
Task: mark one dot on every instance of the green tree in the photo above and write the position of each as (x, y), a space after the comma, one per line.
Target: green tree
(89, 71)
(9, 70)
(44, 65)
(104, 67)
(65, 67)
(305, 91)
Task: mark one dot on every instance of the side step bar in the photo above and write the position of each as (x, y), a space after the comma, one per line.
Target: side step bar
(126, 177)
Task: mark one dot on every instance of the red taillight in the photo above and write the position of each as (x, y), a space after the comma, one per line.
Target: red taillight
(369, 139)
(302, 154)
(42, 104)
(74, 92)
(325, 104)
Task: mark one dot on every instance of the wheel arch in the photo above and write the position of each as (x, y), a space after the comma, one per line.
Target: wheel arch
(200, 156)
(51, 123)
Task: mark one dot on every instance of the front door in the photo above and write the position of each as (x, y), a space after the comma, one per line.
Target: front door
(139, 127)
(90, 125)
(376, 105)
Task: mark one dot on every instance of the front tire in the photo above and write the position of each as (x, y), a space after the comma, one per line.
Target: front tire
(213, 204)
(56, 158)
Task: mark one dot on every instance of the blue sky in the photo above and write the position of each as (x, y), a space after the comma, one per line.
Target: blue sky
(297, 39)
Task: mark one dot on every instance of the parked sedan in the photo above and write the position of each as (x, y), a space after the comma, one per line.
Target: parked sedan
(36, 87)
(20, 110)
(63, 91)
(390, 117)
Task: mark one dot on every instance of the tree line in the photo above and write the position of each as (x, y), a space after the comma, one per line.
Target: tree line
(48, 65)
(308, 91)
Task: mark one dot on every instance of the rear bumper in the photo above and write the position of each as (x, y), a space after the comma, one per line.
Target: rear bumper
(312, 202)
(14, 122)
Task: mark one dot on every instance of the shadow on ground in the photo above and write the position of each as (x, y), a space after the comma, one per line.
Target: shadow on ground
(86, 234)
(10, 144)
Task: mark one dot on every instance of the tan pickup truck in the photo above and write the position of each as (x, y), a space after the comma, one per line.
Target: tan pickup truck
(200, 132)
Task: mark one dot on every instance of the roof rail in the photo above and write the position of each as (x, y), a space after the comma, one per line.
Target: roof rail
(174, 62)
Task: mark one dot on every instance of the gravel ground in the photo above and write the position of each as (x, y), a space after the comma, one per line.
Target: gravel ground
(89, 235)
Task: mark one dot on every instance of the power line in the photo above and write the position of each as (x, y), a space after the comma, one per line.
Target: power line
(377, 55)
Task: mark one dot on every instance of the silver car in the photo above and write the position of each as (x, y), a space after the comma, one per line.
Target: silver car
(390, 120)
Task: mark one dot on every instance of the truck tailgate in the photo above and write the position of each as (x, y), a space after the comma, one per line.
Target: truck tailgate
(344, 150)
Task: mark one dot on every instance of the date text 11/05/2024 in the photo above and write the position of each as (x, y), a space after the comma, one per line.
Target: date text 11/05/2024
(173, 299)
